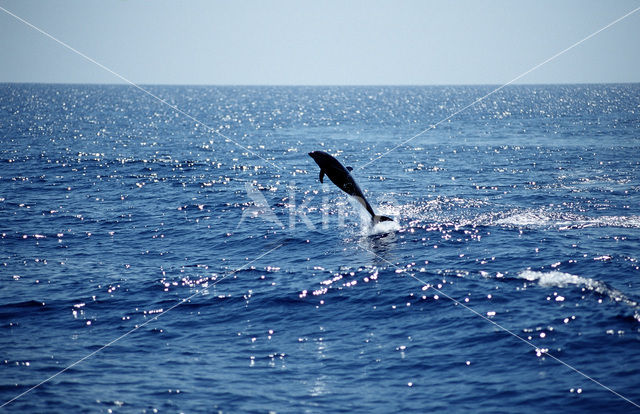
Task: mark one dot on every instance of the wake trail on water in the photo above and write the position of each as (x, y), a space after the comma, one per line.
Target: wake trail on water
(459, 212)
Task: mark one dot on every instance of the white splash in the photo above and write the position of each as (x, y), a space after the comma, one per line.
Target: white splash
(383, 227)
(367, 228)
(558, 279)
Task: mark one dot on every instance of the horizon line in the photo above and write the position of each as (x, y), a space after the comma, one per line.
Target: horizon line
(318, 85)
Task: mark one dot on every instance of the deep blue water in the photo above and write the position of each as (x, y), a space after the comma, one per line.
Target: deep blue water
(524, 208)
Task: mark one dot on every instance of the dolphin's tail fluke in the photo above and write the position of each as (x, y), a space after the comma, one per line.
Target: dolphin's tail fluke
(377, 219)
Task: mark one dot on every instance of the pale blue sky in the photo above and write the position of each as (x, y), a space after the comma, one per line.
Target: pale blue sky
(319, 42)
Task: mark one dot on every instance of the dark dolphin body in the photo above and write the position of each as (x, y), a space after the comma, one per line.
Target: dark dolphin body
(341, 177)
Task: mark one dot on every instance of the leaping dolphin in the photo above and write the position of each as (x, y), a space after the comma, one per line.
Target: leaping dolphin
(342, 178)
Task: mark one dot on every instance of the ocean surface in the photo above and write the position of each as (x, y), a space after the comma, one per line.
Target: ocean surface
(152, 261)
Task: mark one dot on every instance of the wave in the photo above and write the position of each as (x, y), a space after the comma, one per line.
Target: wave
(563, 280)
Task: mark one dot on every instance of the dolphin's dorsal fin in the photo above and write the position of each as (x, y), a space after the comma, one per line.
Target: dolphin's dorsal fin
(321, 175)
(350, 169)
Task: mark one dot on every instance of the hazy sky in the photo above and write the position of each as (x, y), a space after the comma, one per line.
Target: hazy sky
(319, 42)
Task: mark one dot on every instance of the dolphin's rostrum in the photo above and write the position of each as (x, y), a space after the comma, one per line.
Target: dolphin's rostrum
(342, 178)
